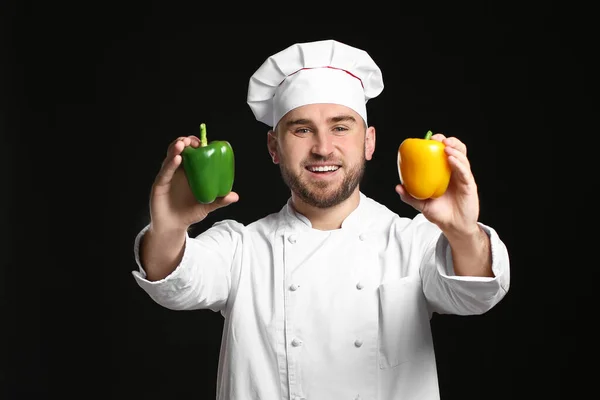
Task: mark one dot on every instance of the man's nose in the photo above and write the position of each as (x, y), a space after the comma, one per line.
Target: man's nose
(323, 144)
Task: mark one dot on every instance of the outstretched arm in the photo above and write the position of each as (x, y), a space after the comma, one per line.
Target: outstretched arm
(457, 213)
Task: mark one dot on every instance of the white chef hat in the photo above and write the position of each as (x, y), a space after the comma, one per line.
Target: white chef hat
(325, 71)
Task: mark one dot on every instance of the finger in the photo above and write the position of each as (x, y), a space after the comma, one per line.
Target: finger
(462, 157)
(167, 170)
(171, 161)
(176, 147)
(461, 169)
(456, 143)
(408, 199)
(439, 137)
(194, 141)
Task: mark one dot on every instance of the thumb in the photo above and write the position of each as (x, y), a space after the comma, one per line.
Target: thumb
(408, 199)
(220, 202)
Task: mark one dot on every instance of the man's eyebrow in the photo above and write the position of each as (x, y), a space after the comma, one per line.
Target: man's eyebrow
(341, 118)
(300, 121)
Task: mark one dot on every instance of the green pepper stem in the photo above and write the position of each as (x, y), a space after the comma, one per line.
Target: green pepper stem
(428, 135)
(203, 140)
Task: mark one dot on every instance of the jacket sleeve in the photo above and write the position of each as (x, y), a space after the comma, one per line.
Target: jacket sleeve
(448, 293)
(203, 278)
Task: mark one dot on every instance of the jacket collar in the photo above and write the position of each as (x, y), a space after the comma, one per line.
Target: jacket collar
(354, 222)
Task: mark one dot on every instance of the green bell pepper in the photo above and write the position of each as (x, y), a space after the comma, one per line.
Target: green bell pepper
(209, 168)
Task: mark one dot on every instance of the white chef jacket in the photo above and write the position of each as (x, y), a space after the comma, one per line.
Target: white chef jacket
(326, 315)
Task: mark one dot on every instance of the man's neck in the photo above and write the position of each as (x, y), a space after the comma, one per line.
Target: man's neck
(331, 218)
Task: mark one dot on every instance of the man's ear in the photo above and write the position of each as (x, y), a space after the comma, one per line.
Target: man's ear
(369, 142)
(272, 146)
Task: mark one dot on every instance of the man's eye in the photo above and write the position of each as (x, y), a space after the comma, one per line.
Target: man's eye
(302, 130)
(340, 129)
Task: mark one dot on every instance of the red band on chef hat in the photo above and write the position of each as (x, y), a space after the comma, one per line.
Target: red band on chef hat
(329, 66)
(318, 72)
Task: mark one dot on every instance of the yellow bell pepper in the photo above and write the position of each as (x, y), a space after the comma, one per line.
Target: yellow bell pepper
(423, 167)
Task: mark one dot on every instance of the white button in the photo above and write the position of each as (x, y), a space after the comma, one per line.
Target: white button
(358, 342)
(292, 238)
(293, 287)
(359, 286)
(296, 342)
(363, 236)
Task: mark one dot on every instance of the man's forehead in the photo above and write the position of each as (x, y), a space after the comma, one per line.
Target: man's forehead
(321, 112)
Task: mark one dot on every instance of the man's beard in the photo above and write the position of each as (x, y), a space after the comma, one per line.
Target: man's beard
(316, 194)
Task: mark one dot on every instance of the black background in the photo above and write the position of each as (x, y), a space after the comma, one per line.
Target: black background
(92, 96)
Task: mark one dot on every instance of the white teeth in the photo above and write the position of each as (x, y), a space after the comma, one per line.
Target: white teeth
(324, 169)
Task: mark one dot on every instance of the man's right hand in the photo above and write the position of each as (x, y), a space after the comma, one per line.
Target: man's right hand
(173, 207)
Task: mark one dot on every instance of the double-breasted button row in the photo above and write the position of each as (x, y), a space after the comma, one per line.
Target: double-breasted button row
(293, 238)
(297, 342)
(293, 287)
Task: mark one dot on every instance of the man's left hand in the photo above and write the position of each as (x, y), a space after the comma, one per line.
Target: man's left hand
(456, 212)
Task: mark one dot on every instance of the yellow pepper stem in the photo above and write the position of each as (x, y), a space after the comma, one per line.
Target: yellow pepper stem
(428, 135)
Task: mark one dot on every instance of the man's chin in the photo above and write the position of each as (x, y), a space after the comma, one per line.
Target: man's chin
(322, 193)
(323, 197)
